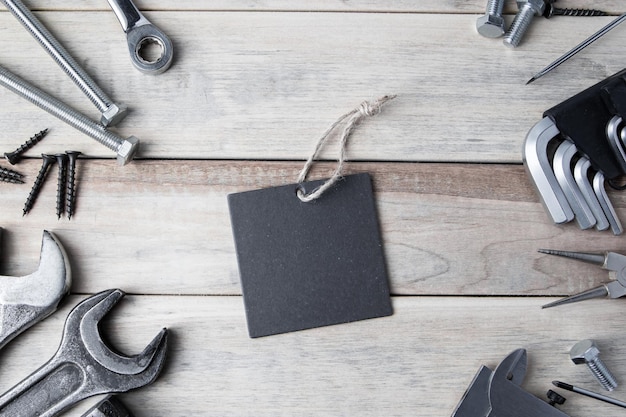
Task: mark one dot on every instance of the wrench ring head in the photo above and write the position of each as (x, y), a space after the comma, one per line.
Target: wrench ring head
(139, 38)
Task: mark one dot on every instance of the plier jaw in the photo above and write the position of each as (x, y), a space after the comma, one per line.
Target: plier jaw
(614, 262)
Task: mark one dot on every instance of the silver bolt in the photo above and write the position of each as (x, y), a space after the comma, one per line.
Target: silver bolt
(125, 148)
(491, 25)
(111, 113)
(587, 352)
(527, 11)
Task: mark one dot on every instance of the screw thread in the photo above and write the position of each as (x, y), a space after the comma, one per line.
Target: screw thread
(41, 176)
(495, 7)
(602, 374)
(520, 25)
(579, 12)
(59, 54)
(11, 180)
(5, 172)
(70, 190)
(59, 109)
(61, 178)
(16, 155)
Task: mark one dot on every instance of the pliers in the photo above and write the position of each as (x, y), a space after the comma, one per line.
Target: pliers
(615, 263)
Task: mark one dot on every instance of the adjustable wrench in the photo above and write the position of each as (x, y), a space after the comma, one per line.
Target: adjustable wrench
(27, 300)
(140, 33)
(84, 365)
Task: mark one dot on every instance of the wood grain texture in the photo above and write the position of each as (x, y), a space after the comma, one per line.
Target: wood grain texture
(266, 85)
(253, 86)
(162, 227)
(417, 362)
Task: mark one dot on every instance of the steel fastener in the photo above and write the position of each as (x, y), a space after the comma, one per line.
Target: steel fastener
(62, 162)
(48, 160)
(523, 18)
(111, 113)
(70, 189)
(15, 156)
(491, 25)
(125, 148)
(588, 353)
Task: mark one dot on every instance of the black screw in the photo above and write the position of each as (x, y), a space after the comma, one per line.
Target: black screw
(9, 173)
(5, 178)
(555, 398)
(70, 191)
(48, 160)
(16, 155)
(62, 161)
(555, 11)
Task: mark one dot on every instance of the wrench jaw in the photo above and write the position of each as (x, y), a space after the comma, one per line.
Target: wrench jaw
(84, 366)
(27, 300)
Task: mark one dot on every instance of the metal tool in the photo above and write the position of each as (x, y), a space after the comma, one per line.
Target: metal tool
(590, 394)
(140, 33)
(84, 365)
(587, 352)
(27, 300)
(499, 394)
(576, 146)
(528, 9)
(125, 148)
(491, 24)
(111, 113)
(578, 48)
(110, 406)
(611, 261)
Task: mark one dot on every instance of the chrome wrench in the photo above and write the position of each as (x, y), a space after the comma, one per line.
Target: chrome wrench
(84, 365)
(140, 34)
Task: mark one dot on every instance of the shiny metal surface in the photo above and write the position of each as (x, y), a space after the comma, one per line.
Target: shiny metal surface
(562, 165)
(141, 34)
(27, 300)
(112, 113)
(110, 406)
(84, 365)
(537, 164)
(581, 175)
(607, 207)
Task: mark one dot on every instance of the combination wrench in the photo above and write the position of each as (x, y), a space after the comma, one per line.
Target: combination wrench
(140, 34)
(84, 365)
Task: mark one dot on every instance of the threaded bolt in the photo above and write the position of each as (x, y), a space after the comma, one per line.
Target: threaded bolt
(15, 156)
(61, 178)
(111, 113)
(125, 148)
(523, 18)
(70, 190)
(588, 353)
(491, 25)
(48, 161)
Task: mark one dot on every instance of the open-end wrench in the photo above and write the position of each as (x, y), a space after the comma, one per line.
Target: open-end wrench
(140, 33)
(84, 365)
(27, 300)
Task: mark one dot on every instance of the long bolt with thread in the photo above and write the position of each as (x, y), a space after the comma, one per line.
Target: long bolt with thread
(48, 161)
(16, 156)
(125, 148)
(111, 113)
(588, 353)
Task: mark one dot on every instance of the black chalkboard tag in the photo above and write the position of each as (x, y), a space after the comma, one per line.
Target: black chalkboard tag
(309, 264)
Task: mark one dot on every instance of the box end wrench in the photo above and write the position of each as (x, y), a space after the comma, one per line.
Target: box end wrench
(84, 365)
(27, 300)
(140, 33)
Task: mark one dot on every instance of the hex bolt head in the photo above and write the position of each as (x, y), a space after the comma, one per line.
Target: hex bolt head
(588, 353)
(113, 114)
(491, 25)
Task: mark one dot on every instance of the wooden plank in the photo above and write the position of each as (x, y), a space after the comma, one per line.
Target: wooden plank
(405, 6)
(418, 361)
(162, 227)
(266, 85)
